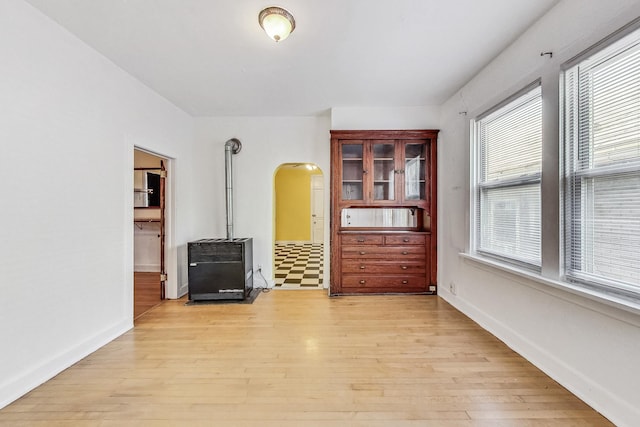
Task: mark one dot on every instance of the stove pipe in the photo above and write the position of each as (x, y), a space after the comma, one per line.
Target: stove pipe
(232, 146)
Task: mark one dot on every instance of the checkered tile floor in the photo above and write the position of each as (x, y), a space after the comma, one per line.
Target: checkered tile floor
(298, 265)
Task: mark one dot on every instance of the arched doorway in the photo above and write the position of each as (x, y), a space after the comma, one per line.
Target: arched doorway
(299, 226)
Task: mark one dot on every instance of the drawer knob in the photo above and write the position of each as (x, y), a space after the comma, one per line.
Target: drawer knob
(362, 267)
(405, 240)
(362, 282)
(404, 282)
(404, 267)
(360, 240)
(404, 252)
(362, 253)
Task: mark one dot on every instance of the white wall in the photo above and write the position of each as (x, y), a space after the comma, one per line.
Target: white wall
(146, 246)
(590, 347)
(385, 118)
(69, 120)
(267, 142)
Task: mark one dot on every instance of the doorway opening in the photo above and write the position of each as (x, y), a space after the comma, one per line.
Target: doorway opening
(149, 277)
(299, 226)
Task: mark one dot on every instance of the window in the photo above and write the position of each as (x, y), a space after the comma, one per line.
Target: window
(508, 144)
(602, 168)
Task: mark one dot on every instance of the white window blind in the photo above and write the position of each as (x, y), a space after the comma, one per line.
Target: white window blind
(508, 172)
(602, 168)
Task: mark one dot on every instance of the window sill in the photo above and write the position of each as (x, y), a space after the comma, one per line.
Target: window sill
(625, 310)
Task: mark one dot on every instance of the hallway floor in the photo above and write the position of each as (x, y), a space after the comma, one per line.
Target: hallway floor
(298, 265)
(146, 288)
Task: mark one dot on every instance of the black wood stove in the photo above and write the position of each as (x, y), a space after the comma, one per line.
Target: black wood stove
(220, 269)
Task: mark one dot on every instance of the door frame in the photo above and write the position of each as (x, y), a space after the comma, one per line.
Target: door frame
(320, 178)
(171, 289)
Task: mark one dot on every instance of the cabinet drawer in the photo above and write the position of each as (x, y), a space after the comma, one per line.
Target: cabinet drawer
(384, 252)
(364, 281)
(408, 239)
(362, 239)
(367, 266)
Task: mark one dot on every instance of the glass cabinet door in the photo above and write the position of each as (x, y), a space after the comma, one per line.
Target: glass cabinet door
(383, 171)
(352, 172)
(414, 172)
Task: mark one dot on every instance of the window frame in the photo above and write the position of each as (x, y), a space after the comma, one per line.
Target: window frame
(575, 165)
(518, 98)
(551, 278)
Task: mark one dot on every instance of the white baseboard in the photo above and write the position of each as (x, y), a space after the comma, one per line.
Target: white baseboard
(16, 388)
(293, 242)
(183, 290)
(614, 408)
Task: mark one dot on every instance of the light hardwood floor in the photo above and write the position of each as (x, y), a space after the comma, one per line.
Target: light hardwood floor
(303, 359)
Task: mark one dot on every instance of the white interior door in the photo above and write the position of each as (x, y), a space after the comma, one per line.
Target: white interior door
(317, 209)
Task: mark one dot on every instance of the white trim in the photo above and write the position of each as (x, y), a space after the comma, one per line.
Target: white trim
(602, 44)
(172, 291)
(589, 391)
(313, 179)
(587, 260)
(523, 98)
(534, 178)
(609, 305)
(17, 387)
(517, 96)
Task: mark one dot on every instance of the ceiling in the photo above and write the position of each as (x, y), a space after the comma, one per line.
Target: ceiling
(211, 58)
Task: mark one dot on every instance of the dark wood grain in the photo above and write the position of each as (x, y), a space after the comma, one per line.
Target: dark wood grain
(388, 248)
(146, 292)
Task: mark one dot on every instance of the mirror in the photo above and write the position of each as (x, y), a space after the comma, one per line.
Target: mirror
(146, 188)
(378, 218)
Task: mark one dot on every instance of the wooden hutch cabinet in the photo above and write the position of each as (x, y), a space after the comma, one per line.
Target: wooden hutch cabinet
(383, 211)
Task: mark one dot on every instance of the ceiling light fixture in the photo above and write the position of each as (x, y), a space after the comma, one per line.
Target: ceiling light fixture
(277, 22)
